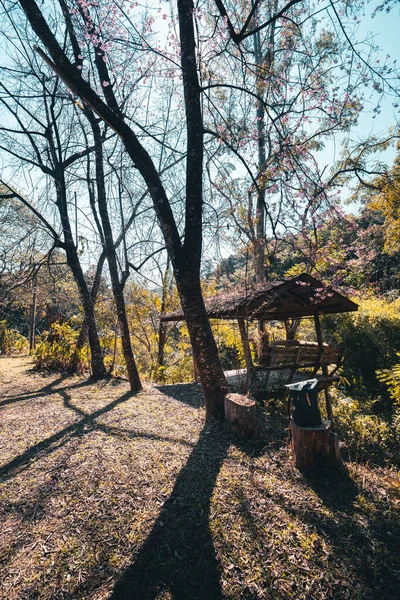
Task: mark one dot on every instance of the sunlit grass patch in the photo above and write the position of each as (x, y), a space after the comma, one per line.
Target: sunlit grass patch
(104, 492)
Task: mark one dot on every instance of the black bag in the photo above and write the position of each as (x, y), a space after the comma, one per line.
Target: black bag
(305, 403)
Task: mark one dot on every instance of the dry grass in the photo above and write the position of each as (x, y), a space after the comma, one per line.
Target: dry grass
(106, 494)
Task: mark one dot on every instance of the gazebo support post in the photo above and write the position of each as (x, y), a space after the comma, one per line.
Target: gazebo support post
(245, 344)
(260, 336)
(324, 367)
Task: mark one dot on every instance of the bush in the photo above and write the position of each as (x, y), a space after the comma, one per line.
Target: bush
(56, 350)
(178, 357)
(11, 340)
(367, 436)
(391, 378)
(371, 340)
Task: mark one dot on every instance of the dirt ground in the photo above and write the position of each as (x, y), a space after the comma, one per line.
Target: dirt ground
(108, 494)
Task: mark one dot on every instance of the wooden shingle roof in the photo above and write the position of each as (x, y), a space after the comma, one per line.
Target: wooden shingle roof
(299, 296)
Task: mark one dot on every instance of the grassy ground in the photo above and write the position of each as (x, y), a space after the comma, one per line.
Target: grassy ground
(106, 494)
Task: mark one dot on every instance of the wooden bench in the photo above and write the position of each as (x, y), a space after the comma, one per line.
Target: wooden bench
(295, 355)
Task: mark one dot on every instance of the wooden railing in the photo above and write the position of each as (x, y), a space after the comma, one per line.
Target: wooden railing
(294, 355)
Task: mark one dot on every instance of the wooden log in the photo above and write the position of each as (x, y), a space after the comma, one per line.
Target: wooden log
(240, 412)
(314, 446)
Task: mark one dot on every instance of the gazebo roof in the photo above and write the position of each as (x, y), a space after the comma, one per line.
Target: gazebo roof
(300, 296)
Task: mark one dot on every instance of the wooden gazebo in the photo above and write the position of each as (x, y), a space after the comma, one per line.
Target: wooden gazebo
(288, 360)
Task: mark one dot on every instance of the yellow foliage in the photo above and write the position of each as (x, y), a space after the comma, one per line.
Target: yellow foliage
(56, 349)
(387, 201)
(144, 311)
(11, 340)
(370, 338)
(378, 309)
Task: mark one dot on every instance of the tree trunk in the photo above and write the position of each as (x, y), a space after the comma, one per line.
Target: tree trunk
(328, 401)
(162, 336)
(204, 347)
(205, 350)
(187, 261)
(264, 64)
(83, 334)
(162, 328)
(314, 446)
(259, 244)
(241, 413)
(109, 247)
(97, 362)
(32, 316)
(291, 327)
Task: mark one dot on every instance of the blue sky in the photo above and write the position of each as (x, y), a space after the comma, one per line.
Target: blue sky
(384, 30)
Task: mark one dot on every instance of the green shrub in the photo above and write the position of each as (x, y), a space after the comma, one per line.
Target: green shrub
(371, 340)
(56, 350)
(11, 340)
(391, 378)
(367, 436)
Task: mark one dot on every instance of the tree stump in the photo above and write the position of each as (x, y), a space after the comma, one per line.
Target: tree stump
(240, 412)
(314, 446)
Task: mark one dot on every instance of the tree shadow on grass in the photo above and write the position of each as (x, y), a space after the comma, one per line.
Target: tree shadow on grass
(67, 438)
(188, 393)
(53, 442)
(361, 533)
(178, 555)
(334, 486)
(46, 390)
(84, 425)
(30, 510)
(358, 528)
(178, 558)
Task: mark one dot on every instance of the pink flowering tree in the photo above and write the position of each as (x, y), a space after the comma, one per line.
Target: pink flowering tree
(303, 83)
(223, 61)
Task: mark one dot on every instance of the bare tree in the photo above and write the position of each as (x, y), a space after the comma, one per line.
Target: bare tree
(92, 76)
(51, 159)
